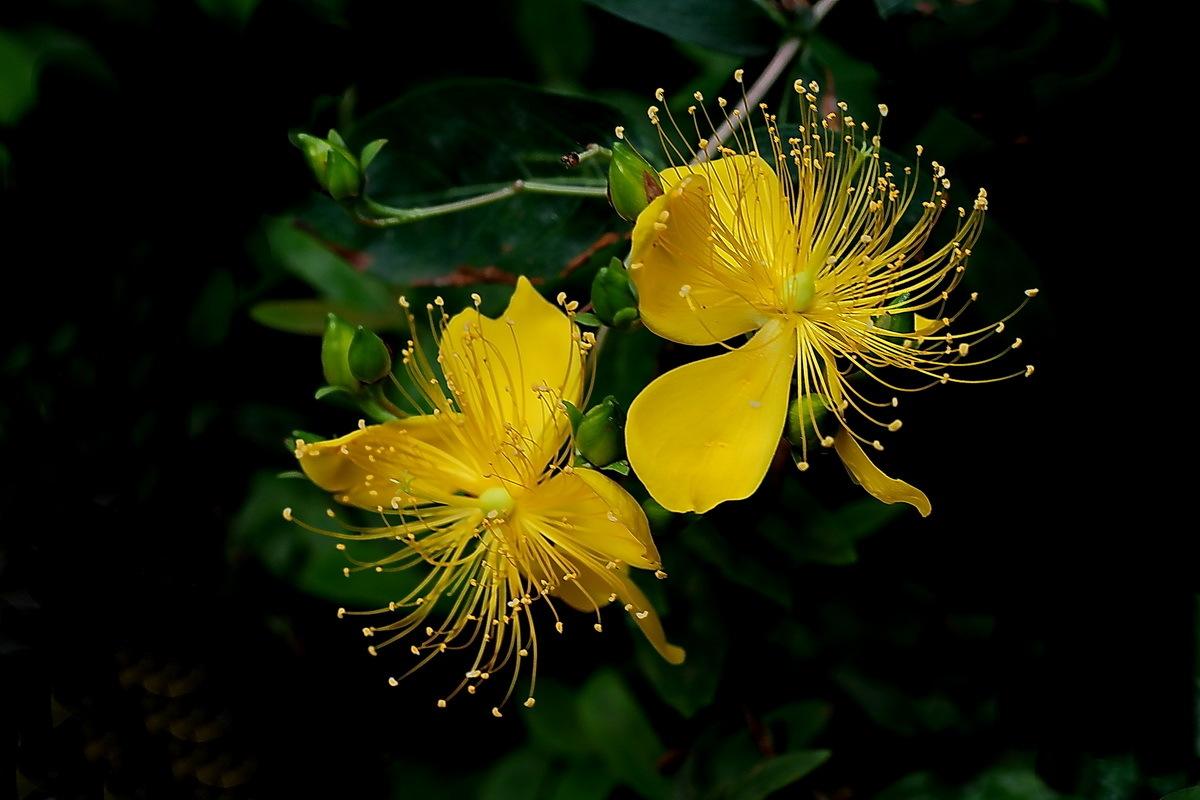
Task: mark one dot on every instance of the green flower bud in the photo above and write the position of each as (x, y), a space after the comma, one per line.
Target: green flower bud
(632, 182)
(600, 436)
(613, 297)
(369, 358)
(336, 170)
(800, 416)
(335, 353)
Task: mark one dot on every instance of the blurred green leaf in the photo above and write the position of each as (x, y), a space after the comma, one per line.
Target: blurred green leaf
(18, 78)
(737, 564)
(776, 773)
(740, 27)
(621, 734)
(799, 722)
(308, 316)
(1015, 782)
(554, 725)
(557, 35)
(331, 275)
(517, 776)
(1115, 778)
(917, 786)
(23, 55)
(526, 131)
(887, 8)
(1184, 794)
(628, 362)
(1099, 6)
(825, 536)
(580, 780)
(308, 560)
(213, 311)
(236, 12)
(692, 685)
(897, 710)
(843, 76)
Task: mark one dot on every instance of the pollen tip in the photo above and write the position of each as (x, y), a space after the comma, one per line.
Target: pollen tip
(393, 682)
(599, 628)
(619, 131)
(287, 513)
(883, 110)
(529, 702)
(441, 703)
(802, 466)
(1028, 370)
(1031, 292)
(658, 573)
(738, 74)
(558, 626)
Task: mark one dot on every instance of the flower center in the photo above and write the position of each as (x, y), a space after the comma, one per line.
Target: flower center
(798, 292)
(496, 501)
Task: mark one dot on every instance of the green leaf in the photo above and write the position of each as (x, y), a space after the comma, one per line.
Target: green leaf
(581, 780)
(331, 275)
(308, 316)
(799, 722)
(1184, 794)
(628, 362)
(306, 560)
(526, 131)
(620, 734)
(18, 78)
(739, 27)
(736, 564)
(556, 34)
(1098, 6)
(692, 685)
(824, 536)
(554, 723)
(917, 786)
(517, 776)
(887, 8)
(775, 773)
(213, 311)
(845, 77)
(896, 710)
(236, 12)
(1009, 782)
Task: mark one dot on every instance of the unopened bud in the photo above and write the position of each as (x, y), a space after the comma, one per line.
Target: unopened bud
(613, 296)
(368, 356)
(632, 182)
(600, 436)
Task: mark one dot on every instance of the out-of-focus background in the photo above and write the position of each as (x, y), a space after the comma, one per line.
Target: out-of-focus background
(167, 258)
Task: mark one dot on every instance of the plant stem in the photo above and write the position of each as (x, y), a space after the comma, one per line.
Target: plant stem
(783, 56)
(378, 215)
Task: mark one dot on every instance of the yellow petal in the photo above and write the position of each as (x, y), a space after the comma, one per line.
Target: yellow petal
(373, 465)
(591, 519)
(649, 623)
(748, 198)
(873, 479)
(673, 268)
(494, 364)
(592, 589)
(705, 432)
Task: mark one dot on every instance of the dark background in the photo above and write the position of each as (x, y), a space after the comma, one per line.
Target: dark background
(1039, 625)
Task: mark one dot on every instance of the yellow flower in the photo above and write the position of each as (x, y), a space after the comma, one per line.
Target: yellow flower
(479, 489)
(809, 252)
